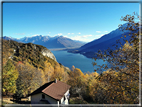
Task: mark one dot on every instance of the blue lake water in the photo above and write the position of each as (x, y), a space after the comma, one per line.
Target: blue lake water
(78, 60)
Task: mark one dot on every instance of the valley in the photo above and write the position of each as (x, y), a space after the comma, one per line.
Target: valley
(87, 49)
(78, 67)
(60, 53)
(70, 52)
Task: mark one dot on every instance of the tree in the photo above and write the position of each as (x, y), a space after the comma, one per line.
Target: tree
(59, 73)
(29, 79)
(9, 77)
(77, 82)
(121, 81)
(7, 52)
(91, 83)
(48, 71)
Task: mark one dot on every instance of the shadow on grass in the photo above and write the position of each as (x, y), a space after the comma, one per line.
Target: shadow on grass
(21, 102)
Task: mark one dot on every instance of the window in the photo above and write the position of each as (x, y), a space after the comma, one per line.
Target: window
(64, 98)
(43, 96)
(68, 96)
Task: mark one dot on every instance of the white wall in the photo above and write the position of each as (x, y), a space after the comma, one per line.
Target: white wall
(66, 101)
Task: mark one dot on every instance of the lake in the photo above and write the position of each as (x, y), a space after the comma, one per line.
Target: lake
(78, 60)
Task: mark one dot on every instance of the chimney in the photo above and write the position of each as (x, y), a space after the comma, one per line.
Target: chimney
(55, 80)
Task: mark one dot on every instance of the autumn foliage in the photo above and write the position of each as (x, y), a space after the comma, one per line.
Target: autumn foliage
(121, 80)
(117, 84)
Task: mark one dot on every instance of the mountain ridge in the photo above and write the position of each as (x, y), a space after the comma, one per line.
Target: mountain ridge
(105, 42)
(49, 42)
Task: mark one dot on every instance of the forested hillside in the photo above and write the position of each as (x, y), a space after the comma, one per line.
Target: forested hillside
(25, 66)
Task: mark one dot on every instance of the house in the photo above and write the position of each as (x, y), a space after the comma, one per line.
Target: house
(54, 92)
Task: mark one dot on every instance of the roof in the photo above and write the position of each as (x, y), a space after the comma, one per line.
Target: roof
(54, 90)
(39, 90)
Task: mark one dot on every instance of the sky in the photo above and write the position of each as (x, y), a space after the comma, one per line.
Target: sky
(77, 21)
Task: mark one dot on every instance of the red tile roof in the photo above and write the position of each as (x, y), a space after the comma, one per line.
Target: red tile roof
(54, 90)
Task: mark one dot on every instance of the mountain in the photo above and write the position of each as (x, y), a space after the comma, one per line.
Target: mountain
(36, 55)
(49, 42)
(9, 38)
(18, 49)
(28, 66)
(103, 43)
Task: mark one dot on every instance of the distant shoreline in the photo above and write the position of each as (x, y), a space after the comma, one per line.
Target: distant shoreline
(63, 49)
(57, 49)
(74, 51)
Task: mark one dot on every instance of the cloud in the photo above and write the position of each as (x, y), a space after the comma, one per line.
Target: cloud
(106, 31)
(85, 36)
(60, 34)
(65, 36)
(98, 31)
(36, 35)
(70, 33)
(49, 32)
(20, 33)
(79, 33)
(76, 37)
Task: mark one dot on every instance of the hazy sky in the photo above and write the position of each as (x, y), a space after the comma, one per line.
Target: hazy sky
(78, 21)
